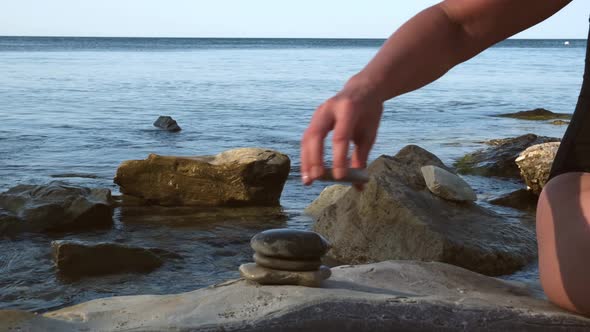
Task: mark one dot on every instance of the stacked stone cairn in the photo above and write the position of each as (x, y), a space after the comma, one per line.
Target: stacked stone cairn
(287, 257)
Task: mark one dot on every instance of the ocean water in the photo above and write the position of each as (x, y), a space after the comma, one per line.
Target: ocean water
(72, 109)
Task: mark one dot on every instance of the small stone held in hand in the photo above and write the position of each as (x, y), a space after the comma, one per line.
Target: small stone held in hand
(353, 175)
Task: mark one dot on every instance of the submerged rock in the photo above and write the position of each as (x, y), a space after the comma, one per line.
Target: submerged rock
(499, 159)
(535, 165)
(54, 207)
(167, 123)
(396, 217)
(447, 185)
(290, 244)
(386, 296)
(77, 259)
(327, 197)
(239, 177)
(287, 264)
(522, 199)
(266, 276)
(536, 114)
(559, 122)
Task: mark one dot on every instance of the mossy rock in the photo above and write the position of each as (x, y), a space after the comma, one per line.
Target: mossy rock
(538, 114)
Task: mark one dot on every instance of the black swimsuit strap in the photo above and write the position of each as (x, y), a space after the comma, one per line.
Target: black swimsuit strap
(573, 154)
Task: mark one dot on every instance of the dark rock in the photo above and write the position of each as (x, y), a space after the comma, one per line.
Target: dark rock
(521, 200)
(167, 123)
(290, 243)
(535, 165)
(265, 276)
(499, 159)
(239, 177)
(396, 217)
(287, 264)
(54, 207)
(77, 259)
(536, 114)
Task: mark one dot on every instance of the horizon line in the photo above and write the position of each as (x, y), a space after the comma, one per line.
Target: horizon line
(186, 37)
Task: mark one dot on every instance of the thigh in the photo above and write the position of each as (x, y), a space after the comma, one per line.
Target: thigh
(563, 233)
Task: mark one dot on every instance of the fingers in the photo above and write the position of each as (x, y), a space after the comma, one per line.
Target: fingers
(340, 145)
(312, 145)
(359, 159)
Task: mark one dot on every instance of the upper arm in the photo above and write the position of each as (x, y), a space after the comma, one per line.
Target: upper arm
(487, 22)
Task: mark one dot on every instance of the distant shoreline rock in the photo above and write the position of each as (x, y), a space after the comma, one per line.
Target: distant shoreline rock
(538, 114)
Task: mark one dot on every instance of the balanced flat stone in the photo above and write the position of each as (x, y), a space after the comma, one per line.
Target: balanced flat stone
(266, 276)
(287, 264)
(447, 185)
(290, 243)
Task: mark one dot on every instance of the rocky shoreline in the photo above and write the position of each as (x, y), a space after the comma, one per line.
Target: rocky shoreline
(414, 210)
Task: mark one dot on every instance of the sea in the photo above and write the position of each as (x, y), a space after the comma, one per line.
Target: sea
(73, 109)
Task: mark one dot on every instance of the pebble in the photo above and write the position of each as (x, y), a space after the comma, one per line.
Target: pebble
(290, 244)
(266, 276)
(287, 264)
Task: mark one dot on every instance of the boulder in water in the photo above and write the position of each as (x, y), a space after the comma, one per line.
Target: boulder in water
(238, 177)
(499, 159)
(54, 207)
(167, 123)
(535, 165)
(536, 114)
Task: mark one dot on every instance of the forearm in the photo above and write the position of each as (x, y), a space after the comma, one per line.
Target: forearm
(442, 36)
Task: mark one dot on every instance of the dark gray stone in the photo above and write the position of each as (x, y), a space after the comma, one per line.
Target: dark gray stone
(287, 264)
(266, 276)
(167, 123)
(54, 207)
(290, 243)
(77, 259)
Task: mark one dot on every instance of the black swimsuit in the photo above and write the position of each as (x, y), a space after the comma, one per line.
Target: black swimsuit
(573, 154)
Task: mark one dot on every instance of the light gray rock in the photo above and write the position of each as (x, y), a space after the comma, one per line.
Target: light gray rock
(167, 123)
(396, 217)
(447, 185)
(290, 244)
(287, 264)
(535, 165)
(266, 276)
(386, 296)
(54, 207)
(238, 177)
(326, 198)
(75, 259)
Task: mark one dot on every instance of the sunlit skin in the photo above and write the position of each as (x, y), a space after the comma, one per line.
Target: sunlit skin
(421, 51)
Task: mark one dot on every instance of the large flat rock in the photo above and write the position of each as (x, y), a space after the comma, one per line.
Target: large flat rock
(238, 177)
(386, 296)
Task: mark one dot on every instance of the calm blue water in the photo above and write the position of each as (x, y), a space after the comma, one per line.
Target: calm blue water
(83, 105)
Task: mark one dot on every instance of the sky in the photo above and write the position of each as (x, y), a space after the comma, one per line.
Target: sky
(241, 18)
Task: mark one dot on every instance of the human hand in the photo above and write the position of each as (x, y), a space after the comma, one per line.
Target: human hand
(354, 114)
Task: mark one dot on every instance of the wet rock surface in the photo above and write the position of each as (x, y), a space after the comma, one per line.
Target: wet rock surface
(290, 244)
(75, 259)
(535, 165)
(287, 264)
(54, 207)
(167, 123)
(447, 185)
(386, 296)
(397, 217)
(537, 114)
(267, 276)
(239, 177)
(522, 199)
(499, 158)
